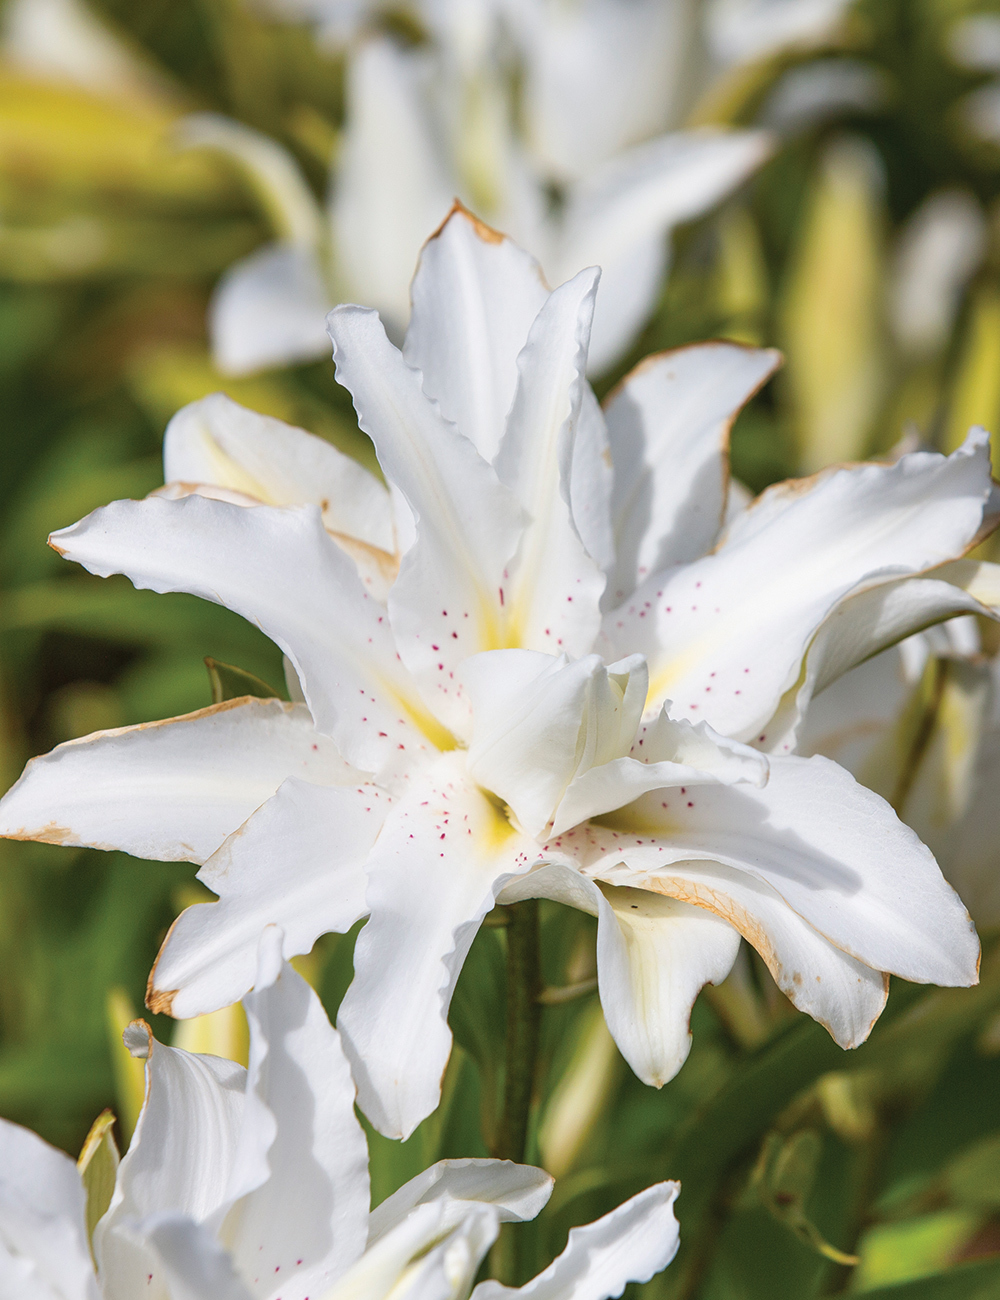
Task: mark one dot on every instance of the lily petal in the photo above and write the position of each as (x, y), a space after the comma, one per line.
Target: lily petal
(539, 721)
(443, 853)
(834, 851)
(217, 441)
(725, 636)
(553, 596)
(195, 1265)
(654, 956)
(448, 1269)
(278, 178)
(376, 1274)
(519, 1192)
(393, 185)
(475, 295)
(667, 753)
(591, 482)
(280, 569)
(43, 1231)
(268, 310)
(303, 1156)
(447, 602)
(172, 790)
(865, 624)
(633, 52)
(697, 745)
(321, 838)
(743, 30)
(845, 995)
(618, 219)
(613, 785)
(181, 1155)
(630, 1244)
(669, 422)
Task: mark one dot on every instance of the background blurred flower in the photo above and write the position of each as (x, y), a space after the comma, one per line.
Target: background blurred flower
(577, 179)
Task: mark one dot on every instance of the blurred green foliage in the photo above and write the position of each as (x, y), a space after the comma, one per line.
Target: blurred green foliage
(792, 1154)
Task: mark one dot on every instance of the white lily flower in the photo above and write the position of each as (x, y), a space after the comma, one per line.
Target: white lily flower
(475, 729)
(244, 1184)
(426, 123)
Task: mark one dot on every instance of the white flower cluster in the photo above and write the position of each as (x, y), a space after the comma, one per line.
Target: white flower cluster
(551, 654)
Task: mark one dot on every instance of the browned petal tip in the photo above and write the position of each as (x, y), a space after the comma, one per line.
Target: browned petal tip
(59, 550)
(138, 1039)
(485, 232)
(50, 833)
(160, 1001)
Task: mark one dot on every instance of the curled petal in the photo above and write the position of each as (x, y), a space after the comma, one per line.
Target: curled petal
(518, 1191)
(726, 635)
(279, 569)
(216, 441)
(630, 1244)
(835, 852)
(301, 1169)
(669, 422)
(43, 1231)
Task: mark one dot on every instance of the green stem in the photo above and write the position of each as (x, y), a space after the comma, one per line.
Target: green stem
(523, 1022)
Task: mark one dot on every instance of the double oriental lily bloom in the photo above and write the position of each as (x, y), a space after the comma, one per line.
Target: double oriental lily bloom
(484, 657)
(250, 1184)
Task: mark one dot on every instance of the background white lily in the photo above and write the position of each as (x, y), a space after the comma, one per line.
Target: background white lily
(579, 178)
(919, 723)
(495, 755)
(253, 1182)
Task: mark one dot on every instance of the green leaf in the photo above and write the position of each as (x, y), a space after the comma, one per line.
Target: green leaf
(230, 682)
(967, 1282)
(912, 1248)
(973, 1178)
